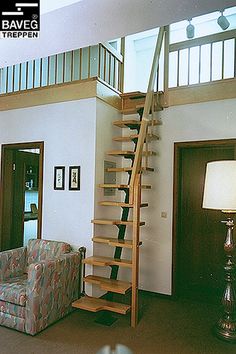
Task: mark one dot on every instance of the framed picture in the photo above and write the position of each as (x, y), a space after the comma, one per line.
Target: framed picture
(74, 178)
(59, 177)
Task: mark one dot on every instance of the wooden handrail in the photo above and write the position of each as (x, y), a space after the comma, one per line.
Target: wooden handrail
(145, 117)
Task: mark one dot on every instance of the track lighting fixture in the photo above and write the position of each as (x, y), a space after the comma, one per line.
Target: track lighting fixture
(223, 22)
(190, 30)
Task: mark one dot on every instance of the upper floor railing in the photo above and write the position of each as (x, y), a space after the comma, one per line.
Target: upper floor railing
(202, 60)
(196, 61)
(94, 61)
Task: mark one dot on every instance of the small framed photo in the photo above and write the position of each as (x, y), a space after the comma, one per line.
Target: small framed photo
(59, 177)
(74, 178)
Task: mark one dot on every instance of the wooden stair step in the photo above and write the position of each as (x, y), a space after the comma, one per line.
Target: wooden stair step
(120, 204)
(122, 186)
(149, 137)
(129, 110)
(129, 153)
(114, 242)
(133, 122)
(115, 222)
(94, 305)
(128, 169)
(115, 286)
(133, 95)
(107, 261)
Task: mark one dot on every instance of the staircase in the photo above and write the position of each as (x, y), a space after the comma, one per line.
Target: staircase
(141, 133)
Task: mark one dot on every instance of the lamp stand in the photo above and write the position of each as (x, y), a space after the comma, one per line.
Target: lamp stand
(226, 326)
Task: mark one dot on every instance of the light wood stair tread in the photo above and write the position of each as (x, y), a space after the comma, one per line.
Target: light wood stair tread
(130, 152)
(107, 261)
(127, 122)
(114, 242)
(116, 286)
(115, 222)
(94, 305)
(122, 186)
(149, 137)
(128, 169)
(119, 204)
(133, 95)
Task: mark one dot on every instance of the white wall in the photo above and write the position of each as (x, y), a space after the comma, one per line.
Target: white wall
(68, 131)
(72, 131)
(202, 121)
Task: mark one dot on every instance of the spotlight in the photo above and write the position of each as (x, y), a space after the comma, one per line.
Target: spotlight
(223, 22)
(190, 30)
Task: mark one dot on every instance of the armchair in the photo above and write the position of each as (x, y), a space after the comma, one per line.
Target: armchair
(38, 283)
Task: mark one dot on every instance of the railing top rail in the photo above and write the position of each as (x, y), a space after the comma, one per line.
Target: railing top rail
(217, 37)
(147, 107)
(112, 51)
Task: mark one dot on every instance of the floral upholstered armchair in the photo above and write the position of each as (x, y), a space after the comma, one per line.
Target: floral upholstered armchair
(38, 283)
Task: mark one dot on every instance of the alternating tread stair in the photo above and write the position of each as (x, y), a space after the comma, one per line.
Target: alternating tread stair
(112, 285)
(141, 135)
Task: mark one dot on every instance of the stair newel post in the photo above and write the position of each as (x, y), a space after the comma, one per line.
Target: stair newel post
(82, 251)
(135, 250)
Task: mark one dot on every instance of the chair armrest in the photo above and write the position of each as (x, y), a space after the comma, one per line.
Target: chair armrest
(51, 288)
(12, 263)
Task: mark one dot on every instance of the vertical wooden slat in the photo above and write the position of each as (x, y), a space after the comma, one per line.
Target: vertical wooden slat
(119, 75)
(40, 72)
(26, 76)
(99, 60)
(178, 68)
(114, 73)
(199, 68)
(223, 59)
(7, 80)
(89, 59)
(211, 59)
(55, 69)
(72, 66)
(13, 77)
(33, 73)
(20, 68)
(48, 73)
(135, 250)
(109, 69)
(188, 65)
(105, 63)
(80, 63)
(63, 66)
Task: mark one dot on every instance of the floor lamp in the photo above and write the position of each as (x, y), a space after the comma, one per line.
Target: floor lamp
(220, 194)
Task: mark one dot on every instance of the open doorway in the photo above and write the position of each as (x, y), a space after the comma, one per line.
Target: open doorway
(21, 191)
(198, 235)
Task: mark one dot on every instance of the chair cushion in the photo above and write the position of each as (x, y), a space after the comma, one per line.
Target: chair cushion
(14, 290)
(41, 250)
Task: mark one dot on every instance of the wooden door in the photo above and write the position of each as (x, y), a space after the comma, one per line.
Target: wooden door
(14, 166)
(200, 233)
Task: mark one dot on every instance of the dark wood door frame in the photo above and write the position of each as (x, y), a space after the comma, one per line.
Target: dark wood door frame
(27, 145)
(178, 147)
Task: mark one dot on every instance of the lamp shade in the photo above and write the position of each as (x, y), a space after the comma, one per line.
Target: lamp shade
(223, 22)
(220, 186)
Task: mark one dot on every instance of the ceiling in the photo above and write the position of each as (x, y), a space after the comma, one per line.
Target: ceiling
(71, 24)
(47, 6)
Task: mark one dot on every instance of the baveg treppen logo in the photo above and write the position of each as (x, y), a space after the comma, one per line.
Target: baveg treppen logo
(19, 19)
